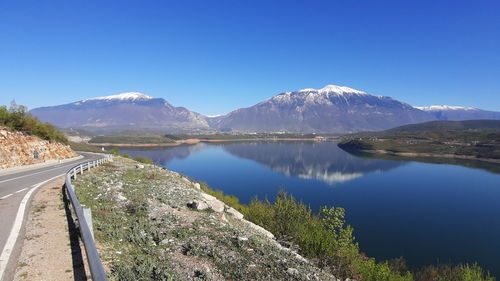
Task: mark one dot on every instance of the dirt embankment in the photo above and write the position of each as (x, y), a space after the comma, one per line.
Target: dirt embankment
(18, 149)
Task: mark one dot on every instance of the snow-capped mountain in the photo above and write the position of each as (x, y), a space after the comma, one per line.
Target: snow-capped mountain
(129, 96)
(126, 111)
(333, 109)
(459, 113)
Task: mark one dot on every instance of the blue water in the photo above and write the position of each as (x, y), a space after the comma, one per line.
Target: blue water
(426, 213)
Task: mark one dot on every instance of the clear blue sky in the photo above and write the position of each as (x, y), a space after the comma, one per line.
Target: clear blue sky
(216, 56)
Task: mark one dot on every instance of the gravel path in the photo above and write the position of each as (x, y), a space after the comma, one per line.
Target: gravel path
(47, 251)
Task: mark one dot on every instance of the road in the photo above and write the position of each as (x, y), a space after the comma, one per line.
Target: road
(16, 190)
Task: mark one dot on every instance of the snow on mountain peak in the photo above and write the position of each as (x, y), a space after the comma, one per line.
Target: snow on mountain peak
(316, 96)
(129, 96)
(340, 90)
(444, 107)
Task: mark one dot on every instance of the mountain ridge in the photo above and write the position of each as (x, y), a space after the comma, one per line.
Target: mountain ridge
(331, 109)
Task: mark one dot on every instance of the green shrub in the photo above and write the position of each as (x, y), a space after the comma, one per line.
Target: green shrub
(142, 159)
(17, 118)
(125, 155)
(115, 151)
(326, 239)
(463, 272)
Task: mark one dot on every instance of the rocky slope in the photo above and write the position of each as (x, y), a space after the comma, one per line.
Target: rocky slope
(126, 111)
(332, 109)
(17, 149)
(153, 224)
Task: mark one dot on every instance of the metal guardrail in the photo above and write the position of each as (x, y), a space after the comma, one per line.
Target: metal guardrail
(84, 220)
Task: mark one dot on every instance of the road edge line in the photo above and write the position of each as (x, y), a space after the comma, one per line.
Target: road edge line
(16, 227)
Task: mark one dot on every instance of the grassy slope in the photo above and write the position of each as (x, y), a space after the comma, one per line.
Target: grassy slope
(147, 232)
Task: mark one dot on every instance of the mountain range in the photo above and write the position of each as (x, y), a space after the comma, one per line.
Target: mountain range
(331, 109)
(459, 113)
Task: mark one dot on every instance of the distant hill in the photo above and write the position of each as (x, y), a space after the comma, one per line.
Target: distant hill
(446, 126)
(332, 109)
(471, 139)
(446, 112)
(123, 112)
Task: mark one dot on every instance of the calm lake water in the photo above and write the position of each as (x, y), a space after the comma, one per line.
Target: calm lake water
(426, 213)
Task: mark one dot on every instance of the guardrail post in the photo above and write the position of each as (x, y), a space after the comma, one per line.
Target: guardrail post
(81, 169)
(87, 213)
(74, 174)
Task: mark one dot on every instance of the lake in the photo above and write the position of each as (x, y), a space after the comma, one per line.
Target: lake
(427, 213)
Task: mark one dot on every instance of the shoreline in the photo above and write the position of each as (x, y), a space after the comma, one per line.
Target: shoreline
(433, 155)
(195, 141)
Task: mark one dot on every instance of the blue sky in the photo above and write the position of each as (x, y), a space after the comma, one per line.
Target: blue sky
(216, 56)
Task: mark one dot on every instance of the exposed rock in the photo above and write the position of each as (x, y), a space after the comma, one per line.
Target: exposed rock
(139, 166)
(292, 252)
(259, 229)
(208, 197)
(216, 205)
(234, 213)
(197, 185)
(18, 149)
(292, 271)
(198, 205)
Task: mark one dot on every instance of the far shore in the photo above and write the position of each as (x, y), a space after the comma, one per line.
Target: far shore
(195, 141)
(434, 155)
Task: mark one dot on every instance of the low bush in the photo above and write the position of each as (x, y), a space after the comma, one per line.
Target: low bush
(143, 159)
(327, 240)
(17, 118)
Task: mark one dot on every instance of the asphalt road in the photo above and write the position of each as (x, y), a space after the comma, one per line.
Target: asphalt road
(16, 190)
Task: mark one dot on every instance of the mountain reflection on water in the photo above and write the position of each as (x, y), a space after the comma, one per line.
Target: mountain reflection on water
(311, 160)
(426, 210)
(323, 161)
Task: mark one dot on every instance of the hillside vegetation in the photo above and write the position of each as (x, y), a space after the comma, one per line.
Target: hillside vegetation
(474, 139)
(17, 118)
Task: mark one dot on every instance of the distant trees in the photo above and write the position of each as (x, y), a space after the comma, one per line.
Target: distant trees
(17, 117)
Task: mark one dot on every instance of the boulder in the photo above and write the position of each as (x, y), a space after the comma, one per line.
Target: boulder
(234, 213)
(208, 197)
(198, 205)
(216, 205)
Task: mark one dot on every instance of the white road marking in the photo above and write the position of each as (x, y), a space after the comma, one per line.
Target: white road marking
(7, 196)
(21, 190)
(16, 227)
(57, 167)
